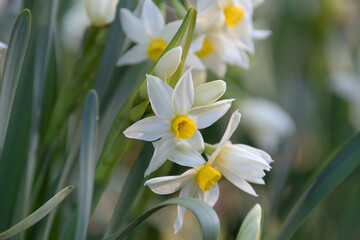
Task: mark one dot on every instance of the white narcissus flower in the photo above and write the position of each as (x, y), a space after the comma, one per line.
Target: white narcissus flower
(149, 32)
(175, 119)
(239, 163)
(266, 122)
(101, 12)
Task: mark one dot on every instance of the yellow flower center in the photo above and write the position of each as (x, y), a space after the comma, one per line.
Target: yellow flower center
(233, 14)
(183, 127)
(207, 177)
(206, 49)
(155, 48)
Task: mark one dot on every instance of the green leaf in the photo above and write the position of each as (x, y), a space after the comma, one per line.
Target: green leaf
(87, 162)
(38, 214)
(251, 227)
(12, 69)
(207, 217)
(340, 166)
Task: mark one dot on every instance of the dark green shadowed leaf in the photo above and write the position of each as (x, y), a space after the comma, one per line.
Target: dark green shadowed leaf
(207, 217)
(340, 166)
(38, 214)
(87, 163)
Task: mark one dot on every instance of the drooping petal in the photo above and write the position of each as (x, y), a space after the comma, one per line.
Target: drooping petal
(196, 141)
(162, 152)
(152, 19)
(208, 93)
(262, 154)
(183, 95)
(160, 95)
(205, 116)
(232, 125)
(169, 184)
(133, 27)
(148, 129)
(186, 155)
(211, 196)
(134, 55)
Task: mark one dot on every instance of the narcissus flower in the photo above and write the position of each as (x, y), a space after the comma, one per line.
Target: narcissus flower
(238, 163)
(175, 119)
(149, 32)
(101, 12)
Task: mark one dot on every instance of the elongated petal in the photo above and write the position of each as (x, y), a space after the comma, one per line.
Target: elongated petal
(238, 181)
(183, 95)
(205, 116)
(168, 63)
(169, 184)
(170, 30)
(211, 196)
(196, 141)
(134, 55)
(232, 125)
(185, 155)
(148, 129)
(160, 95)
(133, 27)
(152, 19)
(162, 152)
(262, 154)
(208, 93)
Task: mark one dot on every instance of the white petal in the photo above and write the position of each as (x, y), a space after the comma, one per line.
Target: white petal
(3, 46)
(215, 64)
(148, 129)
(197, 43)
(235, 56)
(194, 61)
(152, 19)
(160, 95)
(183, 95)
(162, 152)
(169, 184)
(205, 116)
(196, 141)
(238, 181)
(261, 34)
(262, 154)
(185, 155)
(231, 127)
(133, 27)
(211, 196)
(134, 55)
(170, 30)
(208, 93)
(167, 64)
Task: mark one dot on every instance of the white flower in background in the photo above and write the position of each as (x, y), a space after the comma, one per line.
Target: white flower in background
(74, 24)
(266, 122)
(175, 119)
(149, 32)
(347, 86)
(101, 12)
(239, 163)
(251, 226)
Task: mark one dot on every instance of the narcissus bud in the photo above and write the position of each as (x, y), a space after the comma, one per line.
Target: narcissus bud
(101, 12)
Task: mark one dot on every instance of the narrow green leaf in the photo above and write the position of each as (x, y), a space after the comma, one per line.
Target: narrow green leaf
(207, 217)
(340, 166)
(87, 163)
(12, 69)
(38, 214)
(251, 227)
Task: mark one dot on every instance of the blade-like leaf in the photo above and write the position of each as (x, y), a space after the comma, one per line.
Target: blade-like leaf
(251, 227)
(340, 166)
(38, 214)
(207, 217)
(12, 69)
(87, 162)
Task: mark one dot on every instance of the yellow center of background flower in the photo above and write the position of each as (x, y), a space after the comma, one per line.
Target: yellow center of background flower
(233, 14)
(183, 127)
(206, 49)
(207, 177)
(155, 48)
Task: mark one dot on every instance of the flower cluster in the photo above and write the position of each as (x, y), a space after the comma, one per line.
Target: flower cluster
(174, 131)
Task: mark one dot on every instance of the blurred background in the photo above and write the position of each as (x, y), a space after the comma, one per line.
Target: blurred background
(300, 101)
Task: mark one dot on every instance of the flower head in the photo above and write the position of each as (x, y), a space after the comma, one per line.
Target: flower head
(175, 120)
